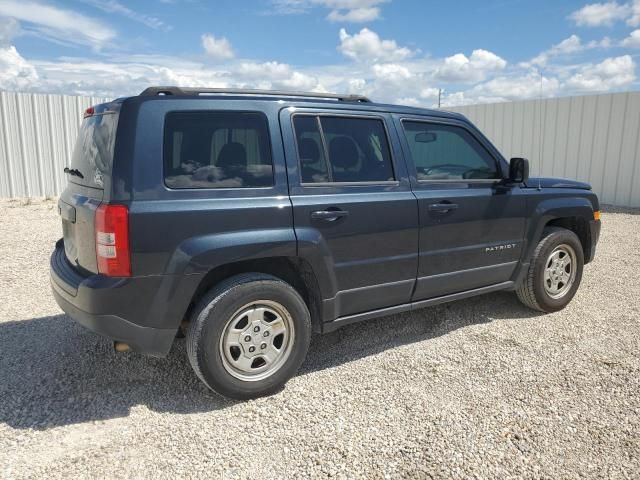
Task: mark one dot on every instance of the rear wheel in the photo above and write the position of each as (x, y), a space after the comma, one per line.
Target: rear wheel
(555, 271)
(248, 336)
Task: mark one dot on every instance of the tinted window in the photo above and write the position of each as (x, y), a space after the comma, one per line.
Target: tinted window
(444, 152)
(217, 150)
(356, 148)
(313, 164)
(93, 153)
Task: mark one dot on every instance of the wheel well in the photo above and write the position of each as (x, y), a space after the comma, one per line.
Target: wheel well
(580, 227)
(295, 271)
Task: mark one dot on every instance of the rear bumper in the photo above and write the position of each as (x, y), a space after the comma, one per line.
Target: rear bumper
(117, 308)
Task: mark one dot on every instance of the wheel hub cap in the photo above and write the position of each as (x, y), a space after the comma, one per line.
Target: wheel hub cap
(560, 271)
(257, 340)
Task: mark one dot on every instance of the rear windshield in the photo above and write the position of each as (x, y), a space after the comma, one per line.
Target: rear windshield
(93, 154)
(217, 150)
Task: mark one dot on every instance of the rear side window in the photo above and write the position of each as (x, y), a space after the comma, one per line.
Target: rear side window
(93, 153)
(447, 152)
(342, 149)
(217, 150)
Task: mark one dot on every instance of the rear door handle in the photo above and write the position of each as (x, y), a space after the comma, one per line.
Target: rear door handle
(329, 215)
(442, 207)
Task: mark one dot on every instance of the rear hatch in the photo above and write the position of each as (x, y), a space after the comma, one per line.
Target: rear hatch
(89, 172)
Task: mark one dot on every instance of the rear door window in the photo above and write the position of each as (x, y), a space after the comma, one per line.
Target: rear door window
(217, 150)
(342, 149)
(447, 152)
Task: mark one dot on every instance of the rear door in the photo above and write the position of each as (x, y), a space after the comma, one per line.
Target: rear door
(352, 206)
(471, 224)
(87, 174)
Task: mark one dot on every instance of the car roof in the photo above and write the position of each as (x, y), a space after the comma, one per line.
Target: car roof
(293, 98)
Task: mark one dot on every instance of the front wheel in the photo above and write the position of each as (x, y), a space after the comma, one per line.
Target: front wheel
(248, 336)
(555, 271)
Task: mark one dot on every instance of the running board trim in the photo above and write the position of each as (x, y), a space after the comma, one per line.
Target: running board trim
(359, 317)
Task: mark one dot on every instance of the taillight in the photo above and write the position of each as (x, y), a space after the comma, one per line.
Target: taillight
(112, 240)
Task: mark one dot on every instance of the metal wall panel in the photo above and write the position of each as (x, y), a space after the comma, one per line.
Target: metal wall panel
(37, 134)
(590, 138)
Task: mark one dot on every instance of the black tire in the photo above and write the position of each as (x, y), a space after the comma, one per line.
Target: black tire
(216, 309)
(531, 290)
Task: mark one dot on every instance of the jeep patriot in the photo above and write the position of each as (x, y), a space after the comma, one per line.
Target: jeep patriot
(248, 219)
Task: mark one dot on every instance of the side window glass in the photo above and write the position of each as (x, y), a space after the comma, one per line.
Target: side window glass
(217, 150)
(445, 152)
(342, 149)
(312, 161)
(358, 149)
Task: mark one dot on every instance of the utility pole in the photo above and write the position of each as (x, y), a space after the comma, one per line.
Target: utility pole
(439, 97)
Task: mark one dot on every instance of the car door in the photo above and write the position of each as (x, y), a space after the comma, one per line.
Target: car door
(471, 224)
(355, 217)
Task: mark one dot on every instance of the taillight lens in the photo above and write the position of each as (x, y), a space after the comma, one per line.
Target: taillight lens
(112, 240)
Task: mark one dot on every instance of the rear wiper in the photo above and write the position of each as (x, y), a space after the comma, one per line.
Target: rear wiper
(73, 171)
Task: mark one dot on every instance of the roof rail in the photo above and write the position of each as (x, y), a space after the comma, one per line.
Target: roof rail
(155, 91)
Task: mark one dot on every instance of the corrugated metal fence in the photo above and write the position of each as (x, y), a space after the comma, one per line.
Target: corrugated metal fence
(590, 138)
(37, 135)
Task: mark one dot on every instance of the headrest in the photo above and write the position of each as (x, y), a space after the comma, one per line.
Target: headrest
(232, 157)
(309, 151)
(343, 152)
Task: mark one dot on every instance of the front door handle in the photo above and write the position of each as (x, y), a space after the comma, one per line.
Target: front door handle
(329, 215)
(442, 207)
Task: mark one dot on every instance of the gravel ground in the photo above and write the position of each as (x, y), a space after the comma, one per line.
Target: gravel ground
(479, 388)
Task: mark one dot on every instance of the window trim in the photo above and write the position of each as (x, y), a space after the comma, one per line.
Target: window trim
(395, 181)
(216, 189)
(487, 181)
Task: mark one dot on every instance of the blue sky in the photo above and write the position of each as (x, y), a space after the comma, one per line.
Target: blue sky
(393, 50)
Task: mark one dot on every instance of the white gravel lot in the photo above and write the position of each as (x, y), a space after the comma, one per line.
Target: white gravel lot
(480, 388)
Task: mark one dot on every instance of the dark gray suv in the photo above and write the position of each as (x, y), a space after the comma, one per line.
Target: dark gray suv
(249, 219)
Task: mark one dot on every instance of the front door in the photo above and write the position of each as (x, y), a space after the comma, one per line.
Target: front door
(355, 217)
(471, 225)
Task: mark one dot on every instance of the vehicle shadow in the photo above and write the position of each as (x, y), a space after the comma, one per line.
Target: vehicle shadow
(54, 372)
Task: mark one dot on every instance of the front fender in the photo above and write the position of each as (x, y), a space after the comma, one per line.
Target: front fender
(544, 210)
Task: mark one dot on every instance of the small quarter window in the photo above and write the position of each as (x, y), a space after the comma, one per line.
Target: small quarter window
(447, 152)
(217, 150)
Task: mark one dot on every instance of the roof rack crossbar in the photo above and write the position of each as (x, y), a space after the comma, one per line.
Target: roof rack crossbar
(155, 91)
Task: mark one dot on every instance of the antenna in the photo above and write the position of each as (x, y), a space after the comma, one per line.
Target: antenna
(540, 136)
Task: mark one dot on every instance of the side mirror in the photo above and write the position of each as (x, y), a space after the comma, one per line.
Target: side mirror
(518, 170)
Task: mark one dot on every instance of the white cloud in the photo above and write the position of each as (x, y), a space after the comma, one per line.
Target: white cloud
(8, 28)
(58, 24)
(274, 75)
(459, 68)
(357, 15)
(391, 72)
(518, 87)
(353, 11)
(367, 46)
(633, 40)
(113, 6)
(568, 46)
(217, 48)
(611, 73)
(634, 19)
(15, 72)
(600, 14)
